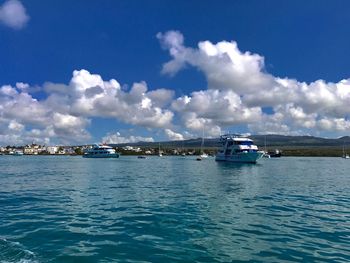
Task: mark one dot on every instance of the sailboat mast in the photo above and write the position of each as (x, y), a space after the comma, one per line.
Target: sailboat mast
(202, 144)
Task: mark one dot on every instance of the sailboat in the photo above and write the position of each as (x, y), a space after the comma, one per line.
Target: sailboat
(345, 155)
(159, 152)
(183, 154)
(203, 154)
(266, 154)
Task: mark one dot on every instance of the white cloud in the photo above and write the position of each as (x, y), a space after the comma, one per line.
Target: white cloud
(238, 89)
(221, 107)
(13, 14)
(173, 136)
(64, 115)
(117, 138)
(15, 126)
(239, 92)
(335, 124)
(134, 107)
(223, 64)
(161, 97)
(66, 127)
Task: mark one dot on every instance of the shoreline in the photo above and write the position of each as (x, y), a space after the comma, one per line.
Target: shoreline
(286, 152)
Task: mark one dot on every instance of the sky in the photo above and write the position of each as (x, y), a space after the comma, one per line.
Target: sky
(88, 71)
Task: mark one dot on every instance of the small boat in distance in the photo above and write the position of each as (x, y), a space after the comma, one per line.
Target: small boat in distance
(183, 153)
(345, 155)
(159, 152)
(18, 153)
(266, 154)
(101, 151)
(203, 154)
(277, 153)
(239, 149)
(141, 157)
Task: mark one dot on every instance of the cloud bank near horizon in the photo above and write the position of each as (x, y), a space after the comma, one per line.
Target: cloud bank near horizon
(67, 110)
(239, 92)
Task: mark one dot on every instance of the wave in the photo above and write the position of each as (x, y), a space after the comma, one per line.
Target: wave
(14, 252)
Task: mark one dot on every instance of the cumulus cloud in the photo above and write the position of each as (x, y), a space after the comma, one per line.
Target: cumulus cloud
(161, 97)
(117, 138)
(173, 136)
(215, 107)
(239, 88)
(239, 92)
(64, 115)
(223, 64)
(97, 98)
(15, 126)
(24, 119)
(13, 14)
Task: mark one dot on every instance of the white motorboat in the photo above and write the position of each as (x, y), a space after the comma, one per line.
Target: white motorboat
(266, 155)
(238, 149)
(204, 155)
(101, 151)
(18, 153)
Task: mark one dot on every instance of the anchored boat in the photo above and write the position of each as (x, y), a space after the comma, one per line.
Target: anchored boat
(238, 149)
(101, 151)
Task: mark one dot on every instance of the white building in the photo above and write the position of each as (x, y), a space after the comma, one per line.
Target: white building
(52, 149)
(33, 149)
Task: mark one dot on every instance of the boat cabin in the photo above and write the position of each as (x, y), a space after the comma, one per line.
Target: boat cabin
(234, 145)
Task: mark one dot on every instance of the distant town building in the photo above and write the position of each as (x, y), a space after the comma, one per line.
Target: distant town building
(52, 149)
(128, 148)
(68, 150)
(33, 149)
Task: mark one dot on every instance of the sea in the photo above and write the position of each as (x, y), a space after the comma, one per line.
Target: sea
(173, 209)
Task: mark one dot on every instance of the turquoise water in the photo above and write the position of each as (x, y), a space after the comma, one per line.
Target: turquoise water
(173, 209)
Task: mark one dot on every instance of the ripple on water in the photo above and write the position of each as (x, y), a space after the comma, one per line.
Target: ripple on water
(173, 210)
(14, 252)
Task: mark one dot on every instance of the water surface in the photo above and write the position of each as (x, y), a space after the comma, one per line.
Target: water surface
(173, 209)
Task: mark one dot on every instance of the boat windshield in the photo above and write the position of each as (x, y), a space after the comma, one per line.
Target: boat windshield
(245, 143)
(241, 143)
(230, 143)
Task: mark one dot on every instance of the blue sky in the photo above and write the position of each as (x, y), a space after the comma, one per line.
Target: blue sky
(290, 82)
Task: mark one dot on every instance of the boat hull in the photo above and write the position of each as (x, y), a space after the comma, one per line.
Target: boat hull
(115, 155)
(250, 157)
